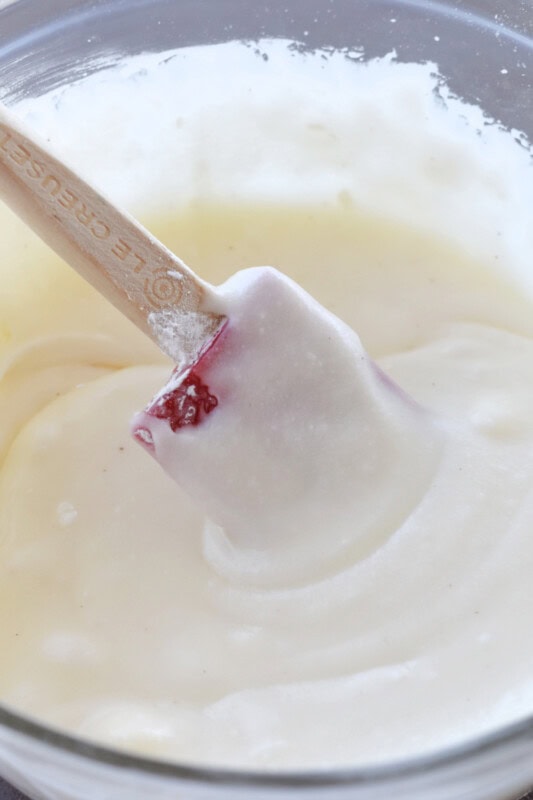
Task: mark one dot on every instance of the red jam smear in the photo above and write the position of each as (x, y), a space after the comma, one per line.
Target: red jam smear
(188, 404)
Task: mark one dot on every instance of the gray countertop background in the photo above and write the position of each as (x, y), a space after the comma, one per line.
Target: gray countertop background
(7, 793)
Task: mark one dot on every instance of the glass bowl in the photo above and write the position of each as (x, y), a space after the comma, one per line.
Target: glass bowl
(484, 49)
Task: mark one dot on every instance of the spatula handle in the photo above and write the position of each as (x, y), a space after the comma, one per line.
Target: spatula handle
(119, 257)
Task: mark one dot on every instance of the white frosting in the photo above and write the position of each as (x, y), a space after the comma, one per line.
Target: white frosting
(311, 457)
(405, 213)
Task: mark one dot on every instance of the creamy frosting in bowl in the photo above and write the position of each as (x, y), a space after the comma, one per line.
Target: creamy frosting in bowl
(185, 628)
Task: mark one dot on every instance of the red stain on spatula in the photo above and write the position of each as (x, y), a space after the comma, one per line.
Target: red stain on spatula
(186, 405)
(189, 400)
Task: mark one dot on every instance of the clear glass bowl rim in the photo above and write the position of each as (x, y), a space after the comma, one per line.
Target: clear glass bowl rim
(433, 762)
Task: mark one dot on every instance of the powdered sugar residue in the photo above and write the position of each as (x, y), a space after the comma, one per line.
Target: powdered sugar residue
(181, 334)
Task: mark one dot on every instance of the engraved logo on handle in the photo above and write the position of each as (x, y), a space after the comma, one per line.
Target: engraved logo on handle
(162, 287)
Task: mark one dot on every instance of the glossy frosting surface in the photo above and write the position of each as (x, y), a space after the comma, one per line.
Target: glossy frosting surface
(128, 618)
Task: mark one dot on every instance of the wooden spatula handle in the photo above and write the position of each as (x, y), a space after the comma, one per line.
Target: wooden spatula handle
(105, 245)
